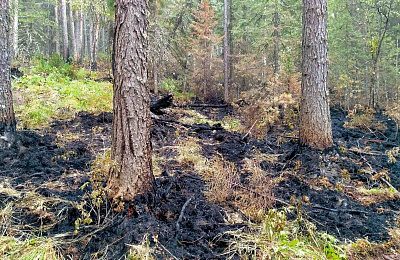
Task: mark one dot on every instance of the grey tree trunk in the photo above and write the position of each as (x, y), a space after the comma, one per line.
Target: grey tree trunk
(226, 52)
(315, 120)
(276, 39)
(79, 34)
(64, 30)
(131, 149)
(95, 47)
(7, 119)
(155, 76)
(15, 30)
(56, 19)
(72, 30)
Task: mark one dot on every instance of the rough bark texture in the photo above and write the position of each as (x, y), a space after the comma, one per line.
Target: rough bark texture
(315, 120)
(64, 29)
(131, 148)
(226, 53)
(7, 119)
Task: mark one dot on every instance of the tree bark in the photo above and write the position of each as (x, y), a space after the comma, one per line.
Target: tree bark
(226, 52)
(7, 119)
(64, 30)
(72, 30)
(131, 147)
(56, 19)
(315, 120)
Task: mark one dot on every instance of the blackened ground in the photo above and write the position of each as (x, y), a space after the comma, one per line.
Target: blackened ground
(40, 158)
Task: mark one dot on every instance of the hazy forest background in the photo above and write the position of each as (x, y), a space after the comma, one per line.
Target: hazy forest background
(228, 174)
(264, 39)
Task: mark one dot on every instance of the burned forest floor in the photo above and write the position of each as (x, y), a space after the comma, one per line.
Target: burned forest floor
(219, 193)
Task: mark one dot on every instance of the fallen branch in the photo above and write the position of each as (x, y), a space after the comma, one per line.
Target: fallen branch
(340, 210)
(182, 212)
(388, 184)
(249, 132)
(366, 153)
(163, 102)
(166, 250)
(207, 105)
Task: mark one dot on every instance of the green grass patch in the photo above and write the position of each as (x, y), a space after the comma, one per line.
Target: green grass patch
(32, 249)
(51, 92)
(277, 238)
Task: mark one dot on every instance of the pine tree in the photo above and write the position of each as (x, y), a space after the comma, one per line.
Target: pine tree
(202, 45)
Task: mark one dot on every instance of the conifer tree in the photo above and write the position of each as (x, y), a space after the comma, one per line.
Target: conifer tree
(202, 44)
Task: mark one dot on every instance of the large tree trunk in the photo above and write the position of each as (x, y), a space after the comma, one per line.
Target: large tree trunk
(7, 119)
(72, 30)
(226, 52)
(64, 30)
(95, 47)
(56, 19)
(315, 120)
(131, 148)
(15, 32)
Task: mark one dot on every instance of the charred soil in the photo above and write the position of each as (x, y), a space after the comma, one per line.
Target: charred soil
(336, 186)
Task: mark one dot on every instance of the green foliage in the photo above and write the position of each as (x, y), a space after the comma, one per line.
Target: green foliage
(170, 85)
(95, 206)
(278, 238)
(56, 90)
(33, 249)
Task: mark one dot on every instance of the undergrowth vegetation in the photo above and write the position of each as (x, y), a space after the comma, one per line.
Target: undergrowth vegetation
(52, 89)
(277, 238)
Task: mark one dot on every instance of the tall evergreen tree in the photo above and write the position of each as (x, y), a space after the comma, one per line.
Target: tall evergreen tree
(315, 120)
(131, 125)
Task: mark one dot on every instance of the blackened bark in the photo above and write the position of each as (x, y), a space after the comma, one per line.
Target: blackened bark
(131, 148)
(315, 120)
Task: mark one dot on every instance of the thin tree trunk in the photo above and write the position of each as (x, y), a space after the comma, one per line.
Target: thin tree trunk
(79, 35)
(155, 76)
(15, 32)
(7, 119)
(64, 30)
(315, 120)
(72, 30)
(90, 36)
(226, 53)
(131, 149)
(95, 47)
(56, 19)
(276, 39)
